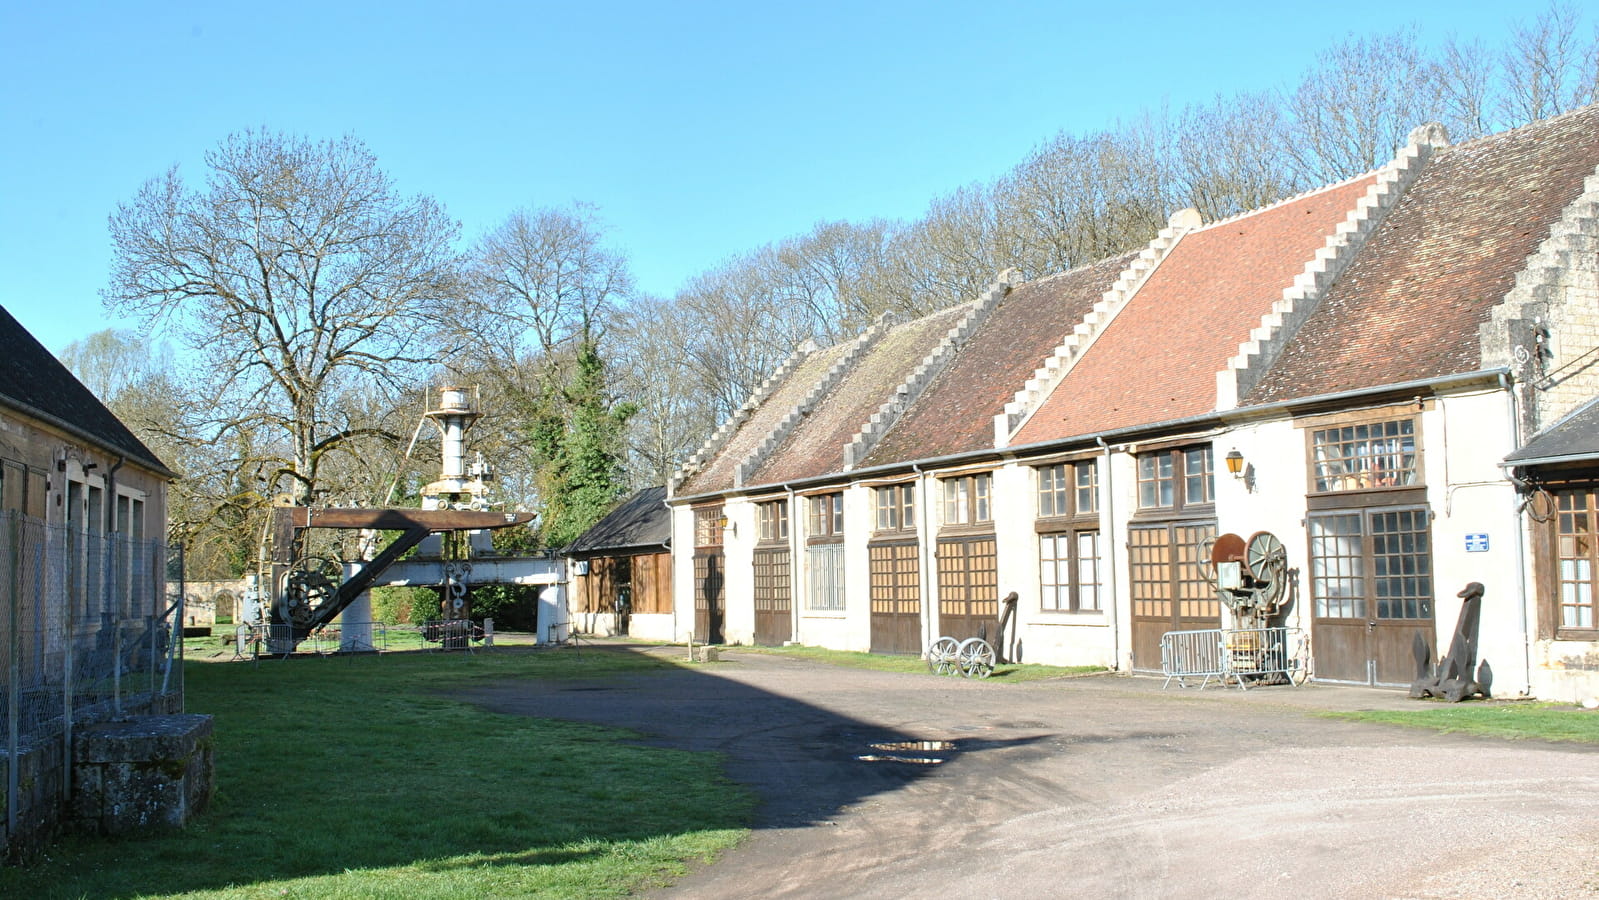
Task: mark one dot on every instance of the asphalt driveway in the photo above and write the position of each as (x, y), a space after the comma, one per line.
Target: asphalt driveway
(892, 785)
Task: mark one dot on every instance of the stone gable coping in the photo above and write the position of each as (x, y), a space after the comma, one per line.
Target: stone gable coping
(727, 429)
(1266, 341)
(1549, 319)
(826, 383)
(933, 363)
(1045, 378)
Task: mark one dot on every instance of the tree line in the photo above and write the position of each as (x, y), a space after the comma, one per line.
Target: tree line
(312, 304)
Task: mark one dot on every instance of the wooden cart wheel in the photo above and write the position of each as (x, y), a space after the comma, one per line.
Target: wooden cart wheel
(941, 656)
(976, 658)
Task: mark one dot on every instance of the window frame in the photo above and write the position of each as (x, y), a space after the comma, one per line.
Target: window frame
(708, 526)
(1557, 578)
(1180, 478)
(967, 501)
(1323, 481)
(824, 517)
(901, 508)
(771, 521)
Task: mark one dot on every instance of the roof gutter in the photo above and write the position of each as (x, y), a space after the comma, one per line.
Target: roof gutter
(1497, 374)
(150, 463)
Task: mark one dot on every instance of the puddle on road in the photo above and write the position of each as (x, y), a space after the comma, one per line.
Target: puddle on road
(901, 752)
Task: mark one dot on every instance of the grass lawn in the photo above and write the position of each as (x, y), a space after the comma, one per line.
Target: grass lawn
(1520, 720)
(881, 662)
(355, 777)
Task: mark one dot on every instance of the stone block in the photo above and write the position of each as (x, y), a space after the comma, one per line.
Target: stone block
(141, 773)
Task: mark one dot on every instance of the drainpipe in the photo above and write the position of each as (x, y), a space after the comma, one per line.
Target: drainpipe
(1110, 559)
(793, 566)
(924, 544)
(1520, 535)
(670, 555)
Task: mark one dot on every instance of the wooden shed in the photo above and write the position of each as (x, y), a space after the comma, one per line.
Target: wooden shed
(621, 570)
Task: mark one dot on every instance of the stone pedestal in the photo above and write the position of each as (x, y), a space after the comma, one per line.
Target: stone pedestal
(141, 773)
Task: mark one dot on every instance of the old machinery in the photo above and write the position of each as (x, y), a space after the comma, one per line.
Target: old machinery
(1250, 576)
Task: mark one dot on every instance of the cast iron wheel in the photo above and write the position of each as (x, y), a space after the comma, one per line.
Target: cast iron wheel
(941, 656)
(976, 658)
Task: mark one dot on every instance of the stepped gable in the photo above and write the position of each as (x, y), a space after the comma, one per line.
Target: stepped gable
(815, 447)
(35, 383)
(1157, 360)
(956, 412)
(1411, 305)
(717, 474)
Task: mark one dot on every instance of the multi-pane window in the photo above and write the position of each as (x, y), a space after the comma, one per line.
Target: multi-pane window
(772, 519)
(1068, 489)
(1068, 565)
(1377, 561)
(966, 499)
(1366, 455)
(896, 507)
(827, 515)
(1578, 551)
(1175, 478)
(826, 576)
(708, 526)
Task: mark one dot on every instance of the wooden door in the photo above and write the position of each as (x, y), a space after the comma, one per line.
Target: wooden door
(1371, 584)
(708, 580)
(1169, 589)
(896, 599)
(968, 588)
(774, 605)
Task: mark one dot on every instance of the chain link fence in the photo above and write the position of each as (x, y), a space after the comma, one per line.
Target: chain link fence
(90, 629)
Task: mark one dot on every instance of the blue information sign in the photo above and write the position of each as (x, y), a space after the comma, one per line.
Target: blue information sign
(1476, 543)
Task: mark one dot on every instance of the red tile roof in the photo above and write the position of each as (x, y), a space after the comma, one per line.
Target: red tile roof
(1409, 306)
(1157, 359)
(956, 413)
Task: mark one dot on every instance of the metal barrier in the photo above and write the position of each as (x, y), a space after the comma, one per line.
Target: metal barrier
(1243, 656)
(451, 634)
(256, 641)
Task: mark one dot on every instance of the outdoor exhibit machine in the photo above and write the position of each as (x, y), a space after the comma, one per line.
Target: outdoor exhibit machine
(1252, 579)
(450, 532)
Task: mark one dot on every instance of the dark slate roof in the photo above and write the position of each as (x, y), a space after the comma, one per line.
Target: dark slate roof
(1409, 306)
(1572, 439)
(1157, 360)
(36, 384)
(816, 446)
(956, 412)
(641, 521)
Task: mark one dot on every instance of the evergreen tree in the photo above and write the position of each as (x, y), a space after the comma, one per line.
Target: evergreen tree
(579, 438)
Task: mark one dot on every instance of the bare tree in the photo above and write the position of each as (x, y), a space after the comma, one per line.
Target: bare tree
(1548, 67)
(295, 274)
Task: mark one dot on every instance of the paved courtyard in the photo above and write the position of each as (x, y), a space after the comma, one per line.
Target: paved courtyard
(1101, 786)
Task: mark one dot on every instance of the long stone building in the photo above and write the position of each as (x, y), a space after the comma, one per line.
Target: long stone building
(1402, 366)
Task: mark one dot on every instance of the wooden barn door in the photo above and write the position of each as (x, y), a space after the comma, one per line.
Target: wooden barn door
(896, 599)
(1170, 592)
(968, 587)
(774, 604)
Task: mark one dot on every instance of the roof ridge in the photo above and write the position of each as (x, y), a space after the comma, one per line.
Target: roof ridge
(1045, 378)
(1279, 325)
(907, 392)
(1293, 198)
(825, 384)
(1471, 143)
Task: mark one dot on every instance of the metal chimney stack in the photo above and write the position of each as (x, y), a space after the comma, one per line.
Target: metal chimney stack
(454, 489)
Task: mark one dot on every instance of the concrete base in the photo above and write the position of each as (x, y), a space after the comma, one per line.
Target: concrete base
(141, 773)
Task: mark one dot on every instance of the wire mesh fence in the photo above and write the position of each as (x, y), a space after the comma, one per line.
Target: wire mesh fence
(89, 630)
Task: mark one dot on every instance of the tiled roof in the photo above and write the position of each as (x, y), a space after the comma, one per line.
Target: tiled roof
(1157, 360)
(35, 383)
(640, 521)
(956, 414)
(1409, 306)
(815, 447)
(717, 474)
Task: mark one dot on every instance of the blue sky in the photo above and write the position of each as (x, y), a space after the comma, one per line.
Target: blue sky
(698, 130)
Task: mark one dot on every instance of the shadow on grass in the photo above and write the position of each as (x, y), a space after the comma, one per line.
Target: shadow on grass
(453, 775)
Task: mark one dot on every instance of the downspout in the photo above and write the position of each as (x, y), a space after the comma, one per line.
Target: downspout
(113, 544)
(1110, 560)
(672, 555)
(793, 566)
(1521, 540)
(924, 544)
